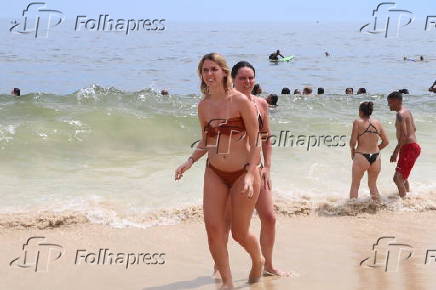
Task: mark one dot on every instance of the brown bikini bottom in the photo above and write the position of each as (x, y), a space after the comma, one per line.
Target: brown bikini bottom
(228, 178)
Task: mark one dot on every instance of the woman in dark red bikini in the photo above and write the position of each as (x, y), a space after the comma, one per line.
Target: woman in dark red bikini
(244, 78)
(366, 157)
(229, 135)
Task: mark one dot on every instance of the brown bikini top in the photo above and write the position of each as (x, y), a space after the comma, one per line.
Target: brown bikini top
(226, 127)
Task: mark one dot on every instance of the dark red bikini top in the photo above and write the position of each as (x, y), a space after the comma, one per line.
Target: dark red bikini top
(226, 126)
(235, 125)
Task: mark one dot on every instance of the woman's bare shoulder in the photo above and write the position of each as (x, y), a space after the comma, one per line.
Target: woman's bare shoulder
(376, 123)
(239, 97)
(202, 102)
(262, 102)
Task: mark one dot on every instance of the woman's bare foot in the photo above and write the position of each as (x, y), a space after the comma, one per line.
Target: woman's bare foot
(375, 198)
(227, 286)
(256, 271)
(216, 274)
(270, 271)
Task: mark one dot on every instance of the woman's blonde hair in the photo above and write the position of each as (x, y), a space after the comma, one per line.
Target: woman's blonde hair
(218, 59)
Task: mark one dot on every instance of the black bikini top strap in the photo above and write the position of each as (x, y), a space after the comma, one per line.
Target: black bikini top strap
(369, 131)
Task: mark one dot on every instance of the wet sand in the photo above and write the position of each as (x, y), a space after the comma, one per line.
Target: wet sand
(323, 252)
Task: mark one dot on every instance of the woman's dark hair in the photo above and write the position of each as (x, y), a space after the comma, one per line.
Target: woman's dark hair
(366, 108)
(395, 95)
(240, 65)
(286, 91)
(273, 98)
(257, 90)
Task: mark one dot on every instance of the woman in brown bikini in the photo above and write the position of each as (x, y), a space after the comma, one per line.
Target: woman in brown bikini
(366, 133)
(229, 129)
(243, 75)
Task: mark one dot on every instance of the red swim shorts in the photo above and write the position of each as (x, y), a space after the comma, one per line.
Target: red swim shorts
(408, 155)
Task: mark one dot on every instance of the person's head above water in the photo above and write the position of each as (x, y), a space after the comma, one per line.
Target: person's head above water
(286, 91)
(297, 92)
(365, 109)
(164, 92)
(361, 91)
(16, 92)
(272, 99)
(214, 73)
(320, 91)
(257, 90)
(243, 75)
(404, 91)
(349, 91)
(395, 100)
(307, 91)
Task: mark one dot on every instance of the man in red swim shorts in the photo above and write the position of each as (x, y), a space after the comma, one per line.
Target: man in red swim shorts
(407, 147)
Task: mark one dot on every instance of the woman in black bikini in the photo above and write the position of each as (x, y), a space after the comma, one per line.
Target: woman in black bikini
(229, 130)
(366, 133)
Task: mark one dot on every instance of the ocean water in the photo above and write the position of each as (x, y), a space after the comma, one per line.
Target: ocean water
(91, 136)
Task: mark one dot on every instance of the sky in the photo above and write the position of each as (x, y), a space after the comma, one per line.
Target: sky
(224, 10)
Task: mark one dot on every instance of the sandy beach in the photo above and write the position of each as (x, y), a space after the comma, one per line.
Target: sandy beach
(322, 252)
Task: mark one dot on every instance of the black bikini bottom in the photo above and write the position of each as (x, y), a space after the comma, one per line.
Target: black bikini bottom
(371, 157)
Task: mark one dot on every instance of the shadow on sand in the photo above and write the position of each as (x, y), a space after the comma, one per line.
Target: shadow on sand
(191, 284)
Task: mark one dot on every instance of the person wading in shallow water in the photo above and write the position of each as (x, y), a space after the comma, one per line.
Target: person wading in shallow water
(407, 149)
(366, 157)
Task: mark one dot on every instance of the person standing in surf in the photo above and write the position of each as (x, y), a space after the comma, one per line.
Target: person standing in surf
(229, 132)
(407, 149)
(366, 157)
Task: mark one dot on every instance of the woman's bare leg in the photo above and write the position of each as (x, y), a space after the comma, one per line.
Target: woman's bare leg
(360, 165)
(264, 207)
(214, 205)
(373, 172)
(228, 222)
(242, 211)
